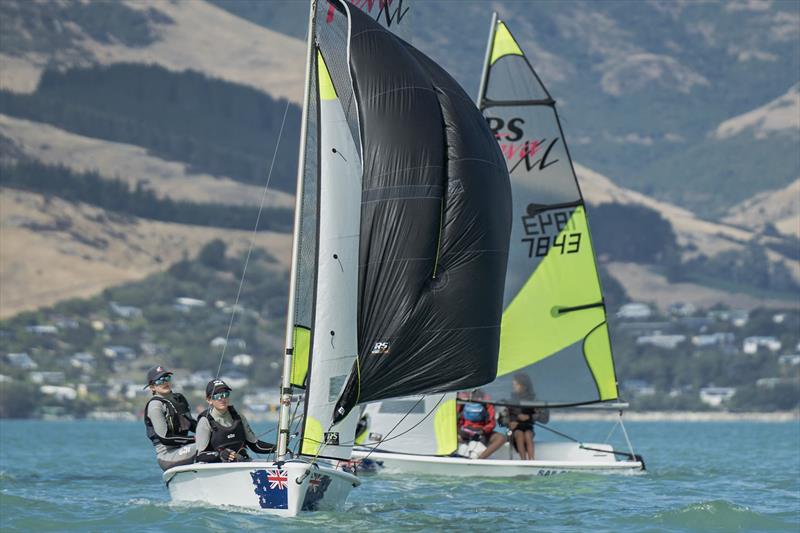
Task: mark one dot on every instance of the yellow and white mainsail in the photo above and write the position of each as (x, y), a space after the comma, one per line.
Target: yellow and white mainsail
(554, 326)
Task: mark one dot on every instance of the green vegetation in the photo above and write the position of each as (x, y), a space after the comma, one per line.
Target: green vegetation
(214, 126)
(677, 374)
(638, 234)
(161, 331)
(631, 233)
(114, 195)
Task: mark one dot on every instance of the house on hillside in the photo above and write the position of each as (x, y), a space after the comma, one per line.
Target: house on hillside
(638, 387)
(771, 383)
(738, 318)
(242, 359)
(47, 378)
(751, 345)
(634, 311)
(714, 339)
(660, 340)
(186, 304)
(21, 360)
(789, 360)
(716, 396)
(82, 360)
(125, 311)
(42, 329)
(682, 309)
(220, 342)
(119, 353)
(59, 392)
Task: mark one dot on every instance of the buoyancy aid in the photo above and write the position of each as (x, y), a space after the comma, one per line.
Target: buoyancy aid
(179, 421)
(231, 438)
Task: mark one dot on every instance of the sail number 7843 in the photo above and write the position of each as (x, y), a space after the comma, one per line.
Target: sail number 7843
(546, 230)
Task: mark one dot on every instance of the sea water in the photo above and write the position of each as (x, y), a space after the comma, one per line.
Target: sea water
(701, 476)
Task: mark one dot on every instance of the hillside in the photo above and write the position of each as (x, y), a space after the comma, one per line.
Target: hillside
(129, 163)
(180, 35)
(780, 208)
(51, 250)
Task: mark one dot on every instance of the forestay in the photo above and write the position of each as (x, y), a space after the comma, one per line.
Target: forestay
(554, 325)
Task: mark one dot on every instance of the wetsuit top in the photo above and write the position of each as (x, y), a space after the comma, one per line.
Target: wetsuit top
(168, 420)
(216, 430)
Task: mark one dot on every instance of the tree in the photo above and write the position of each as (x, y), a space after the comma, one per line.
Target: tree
(213, 254)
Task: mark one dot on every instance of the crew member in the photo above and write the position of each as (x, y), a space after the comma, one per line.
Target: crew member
(222, 433)
(168, 421)
(476, 421)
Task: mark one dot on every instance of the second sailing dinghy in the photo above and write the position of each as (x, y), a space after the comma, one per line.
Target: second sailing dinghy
(398, 265)
(554, 333)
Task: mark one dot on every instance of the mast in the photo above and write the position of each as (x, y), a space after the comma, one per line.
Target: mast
(485, 72)
(286, 390)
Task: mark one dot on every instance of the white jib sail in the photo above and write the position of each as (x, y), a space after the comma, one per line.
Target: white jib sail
(333, 345)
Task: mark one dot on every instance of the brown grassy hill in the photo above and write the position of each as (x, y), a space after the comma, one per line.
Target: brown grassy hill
(780, 208)
(130, 163)
(52, 250)
(188, 34)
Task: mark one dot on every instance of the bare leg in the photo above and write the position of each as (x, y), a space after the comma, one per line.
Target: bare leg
(529, 444)
(496, 441)
(519, 440)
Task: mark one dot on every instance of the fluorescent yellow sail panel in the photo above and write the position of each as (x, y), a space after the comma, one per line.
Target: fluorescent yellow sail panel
(326, 89)
(532, 329)
(312, 436)
(504, 44)
(302, 344)
(444, 423)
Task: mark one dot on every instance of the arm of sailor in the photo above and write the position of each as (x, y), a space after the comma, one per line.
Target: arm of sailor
(202, 434)
(257, 446)
(157, 413)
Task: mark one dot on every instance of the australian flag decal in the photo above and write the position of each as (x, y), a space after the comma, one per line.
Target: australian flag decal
(316, 491)
(271, 487)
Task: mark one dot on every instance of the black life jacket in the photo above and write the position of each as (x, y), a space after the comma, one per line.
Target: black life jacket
(232, 438)
(179, 420)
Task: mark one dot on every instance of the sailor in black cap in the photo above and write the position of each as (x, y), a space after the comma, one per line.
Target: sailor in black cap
(168, 421)
(222, 433)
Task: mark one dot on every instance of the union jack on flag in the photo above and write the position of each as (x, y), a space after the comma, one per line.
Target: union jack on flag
(278, 479)
(271, 488)
(316, 479)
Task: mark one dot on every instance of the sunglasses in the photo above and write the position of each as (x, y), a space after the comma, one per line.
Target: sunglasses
(220, 395)
(162, 380)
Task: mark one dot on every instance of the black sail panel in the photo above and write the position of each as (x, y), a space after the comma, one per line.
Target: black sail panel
(435, 224)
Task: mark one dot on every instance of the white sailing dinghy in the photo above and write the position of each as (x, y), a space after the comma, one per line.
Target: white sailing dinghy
(398, 194)
(554, 327)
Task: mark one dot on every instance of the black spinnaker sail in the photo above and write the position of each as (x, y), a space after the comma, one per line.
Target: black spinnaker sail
(435, 223)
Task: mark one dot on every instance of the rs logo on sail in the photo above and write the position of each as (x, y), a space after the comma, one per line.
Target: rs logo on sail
(380, 348)
(514, 146)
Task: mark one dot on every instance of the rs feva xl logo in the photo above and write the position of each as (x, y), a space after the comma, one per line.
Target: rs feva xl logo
(517, 148)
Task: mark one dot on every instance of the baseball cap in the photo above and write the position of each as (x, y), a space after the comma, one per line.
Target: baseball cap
(216, 385)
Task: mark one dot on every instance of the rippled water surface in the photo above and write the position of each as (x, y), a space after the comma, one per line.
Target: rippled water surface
(702, 476)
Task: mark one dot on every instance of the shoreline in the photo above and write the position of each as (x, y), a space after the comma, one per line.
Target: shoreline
(555, 415)
(678, 416)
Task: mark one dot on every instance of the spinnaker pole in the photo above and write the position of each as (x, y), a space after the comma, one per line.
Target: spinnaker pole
(485, 71)
(286, 379)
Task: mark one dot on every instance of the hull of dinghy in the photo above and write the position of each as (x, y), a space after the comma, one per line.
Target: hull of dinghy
(284, 489)
(551, 458)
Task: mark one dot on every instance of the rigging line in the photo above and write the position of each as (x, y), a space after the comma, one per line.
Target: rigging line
(406, 431)
(253, 238)
(557, 432)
